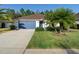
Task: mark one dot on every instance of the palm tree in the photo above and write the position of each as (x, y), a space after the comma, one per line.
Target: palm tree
(64, 16)
(22, 12)
(2, 13)
(10, 14)
(29, 12)
(7, 14)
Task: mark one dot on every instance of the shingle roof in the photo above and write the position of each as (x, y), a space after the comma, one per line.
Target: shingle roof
(31, 17)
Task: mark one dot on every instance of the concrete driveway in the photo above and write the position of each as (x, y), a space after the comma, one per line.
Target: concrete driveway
(15, 41)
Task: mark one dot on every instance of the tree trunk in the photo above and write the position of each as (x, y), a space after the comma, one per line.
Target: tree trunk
(68, 29)
(61, 27)
(57, 29)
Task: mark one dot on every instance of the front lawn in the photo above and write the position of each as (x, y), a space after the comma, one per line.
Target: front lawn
(4, 30)
(46, 39)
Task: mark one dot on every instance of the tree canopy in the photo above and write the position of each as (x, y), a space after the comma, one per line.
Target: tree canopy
(64, 16)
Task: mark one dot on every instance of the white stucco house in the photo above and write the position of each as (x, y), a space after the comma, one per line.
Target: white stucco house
(27, 22)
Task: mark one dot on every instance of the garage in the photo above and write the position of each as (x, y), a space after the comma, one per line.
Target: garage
(27, 25)
(30, 21)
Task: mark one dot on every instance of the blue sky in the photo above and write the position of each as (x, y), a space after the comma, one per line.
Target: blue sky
(41, 7)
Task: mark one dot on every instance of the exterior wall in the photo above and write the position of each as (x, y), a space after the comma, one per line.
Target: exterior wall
(8, 24)
(37, 24)
(44, 25)
(16, 24)
(77, 22)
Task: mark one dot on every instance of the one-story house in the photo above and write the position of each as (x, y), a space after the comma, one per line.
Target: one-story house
(27, 22)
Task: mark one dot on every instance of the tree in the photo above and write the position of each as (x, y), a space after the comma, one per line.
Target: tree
(10, 15)
(2, 13)
(64, 16)
(22, 12)
(37, 12)
(6, 15)
(17, 14)
(29, 12)
(42, 12)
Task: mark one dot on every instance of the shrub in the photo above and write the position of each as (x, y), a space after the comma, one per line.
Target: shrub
(74, 27)
(12, 27)
(39, 29)
(50, 29)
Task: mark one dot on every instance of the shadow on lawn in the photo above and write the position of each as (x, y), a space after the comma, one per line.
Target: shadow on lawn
(64, 44)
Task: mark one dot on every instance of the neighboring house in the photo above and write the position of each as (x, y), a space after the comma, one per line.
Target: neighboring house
(27, 22)
(77, 20)
(4, 24)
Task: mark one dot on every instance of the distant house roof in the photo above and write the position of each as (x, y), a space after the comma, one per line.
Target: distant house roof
(33, 17)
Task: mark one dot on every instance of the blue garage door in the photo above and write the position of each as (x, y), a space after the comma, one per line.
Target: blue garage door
(28, 25)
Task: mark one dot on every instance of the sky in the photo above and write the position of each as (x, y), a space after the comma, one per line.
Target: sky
(41, 7)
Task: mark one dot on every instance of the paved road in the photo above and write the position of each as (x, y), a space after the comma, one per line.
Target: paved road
(15, 42)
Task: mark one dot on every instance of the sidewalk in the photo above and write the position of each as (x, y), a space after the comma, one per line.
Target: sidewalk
(52, 51)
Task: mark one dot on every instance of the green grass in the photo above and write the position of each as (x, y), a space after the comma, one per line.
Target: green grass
(46, 39)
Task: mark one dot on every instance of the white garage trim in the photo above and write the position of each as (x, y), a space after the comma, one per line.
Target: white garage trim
(37, 24)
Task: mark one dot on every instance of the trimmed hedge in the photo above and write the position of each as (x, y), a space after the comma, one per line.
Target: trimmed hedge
(12, 27)
(50, 29)
(39, 29)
